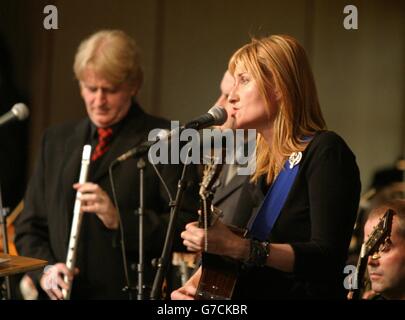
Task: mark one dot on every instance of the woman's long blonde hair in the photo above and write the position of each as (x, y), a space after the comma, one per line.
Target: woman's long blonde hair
(280, 67)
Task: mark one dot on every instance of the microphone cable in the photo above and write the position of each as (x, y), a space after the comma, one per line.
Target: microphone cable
(162, 181)
(128, 287)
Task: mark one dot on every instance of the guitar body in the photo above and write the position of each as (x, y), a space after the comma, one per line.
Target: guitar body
(218, 277)
(219, 274)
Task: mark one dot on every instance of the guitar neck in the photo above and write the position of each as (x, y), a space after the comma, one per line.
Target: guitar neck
(205, 215)
(358, 281)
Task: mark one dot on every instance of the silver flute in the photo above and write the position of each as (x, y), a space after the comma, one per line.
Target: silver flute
(76, 223)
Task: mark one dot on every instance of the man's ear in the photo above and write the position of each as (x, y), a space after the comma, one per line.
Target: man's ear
(81, 87)
(134, 90)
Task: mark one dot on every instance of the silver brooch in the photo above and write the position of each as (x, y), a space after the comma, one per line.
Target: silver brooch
(295, 159)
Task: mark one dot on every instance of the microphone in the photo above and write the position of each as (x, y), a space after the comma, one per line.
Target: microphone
(217, 115)
(144, 147)
(18, 112)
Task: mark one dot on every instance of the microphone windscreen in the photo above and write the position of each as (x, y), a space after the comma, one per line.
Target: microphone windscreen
(21, 111)
(219, 113)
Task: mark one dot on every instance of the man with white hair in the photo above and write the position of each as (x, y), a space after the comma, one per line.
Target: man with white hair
(108, 70)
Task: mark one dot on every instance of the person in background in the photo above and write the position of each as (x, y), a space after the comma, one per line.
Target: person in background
(386, 267)
(107, 67)
(235, 196)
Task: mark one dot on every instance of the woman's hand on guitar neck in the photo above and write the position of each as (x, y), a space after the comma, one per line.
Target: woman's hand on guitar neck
(221, 240)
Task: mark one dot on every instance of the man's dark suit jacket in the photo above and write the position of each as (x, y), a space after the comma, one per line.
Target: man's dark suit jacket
(43, 229)
(238, 200)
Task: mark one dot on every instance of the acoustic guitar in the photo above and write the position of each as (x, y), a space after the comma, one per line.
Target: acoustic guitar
(219, 274)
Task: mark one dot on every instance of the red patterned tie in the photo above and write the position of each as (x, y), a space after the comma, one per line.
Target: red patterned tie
(104, 137)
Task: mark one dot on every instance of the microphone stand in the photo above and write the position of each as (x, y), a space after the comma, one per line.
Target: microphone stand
(3, 222)
(141, 211)
(163, 262)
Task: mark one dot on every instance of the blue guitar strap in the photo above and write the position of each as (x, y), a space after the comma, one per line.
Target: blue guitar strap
(275, 199)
